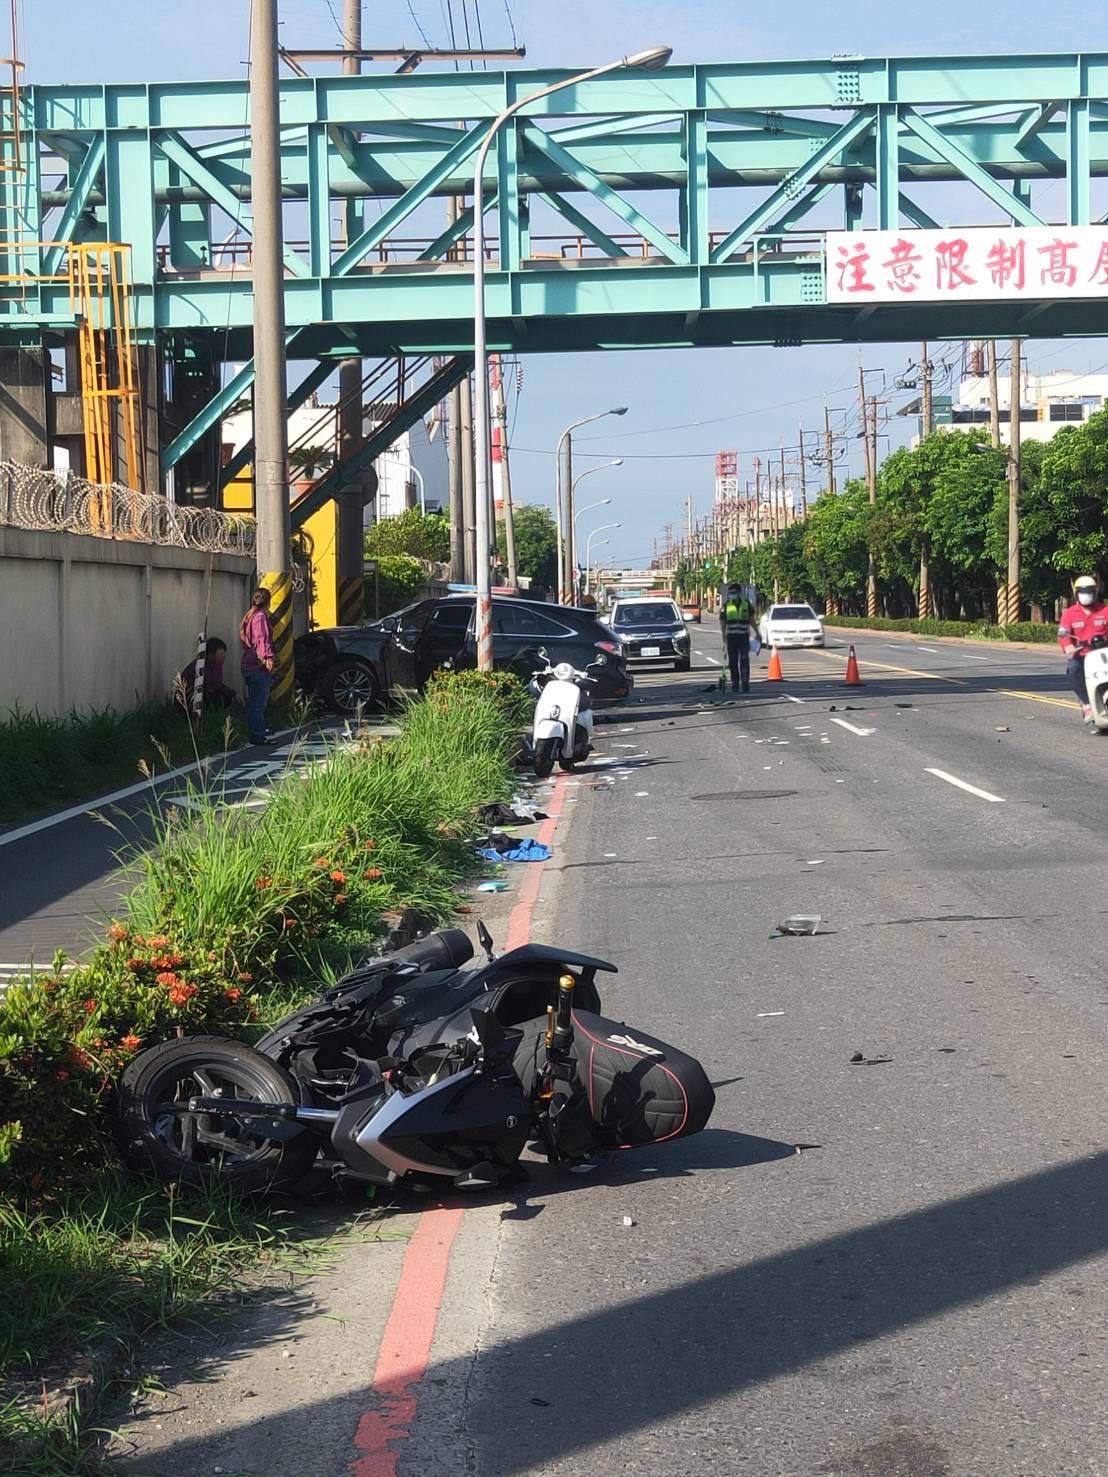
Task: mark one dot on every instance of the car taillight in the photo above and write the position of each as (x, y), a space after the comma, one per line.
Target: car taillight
(609, 646)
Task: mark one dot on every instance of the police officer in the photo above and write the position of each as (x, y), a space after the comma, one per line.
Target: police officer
(735, 616)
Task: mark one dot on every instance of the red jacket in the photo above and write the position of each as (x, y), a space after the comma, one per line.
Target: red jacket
(1080, 623)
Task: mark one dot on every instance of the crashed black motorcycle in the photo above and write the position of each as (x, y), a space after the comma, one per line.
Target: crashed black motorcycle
(412, 1069)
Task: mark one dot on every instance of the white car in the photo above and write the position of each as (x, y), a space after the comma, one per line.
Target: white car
(790, 625)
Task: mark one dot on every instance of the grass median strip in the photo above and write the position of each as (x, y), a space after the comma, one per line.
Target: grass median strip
(237, 916)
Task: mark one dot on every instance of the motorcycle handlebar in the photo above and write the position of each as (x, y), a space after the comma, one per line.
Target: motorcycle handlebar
(447, 948)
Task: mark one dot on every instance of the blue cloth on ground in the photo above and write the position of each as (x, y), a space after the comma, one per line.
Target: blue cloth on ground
(526, 851)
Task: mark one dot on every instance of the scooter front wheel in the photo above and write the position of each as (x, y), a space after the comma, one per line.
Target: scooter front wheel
(157, 1136)
(546, 752)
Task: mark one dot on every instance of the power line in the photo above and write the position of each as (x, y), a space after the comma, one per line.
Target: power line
(511, 23)
(419, 25)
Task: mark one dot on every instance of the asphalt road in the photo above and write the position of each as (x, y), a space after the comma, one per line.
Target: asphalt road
(920, 1290)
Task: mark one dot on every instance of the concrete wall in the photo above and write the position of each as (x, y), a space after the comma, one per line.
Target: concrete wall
(93, 623)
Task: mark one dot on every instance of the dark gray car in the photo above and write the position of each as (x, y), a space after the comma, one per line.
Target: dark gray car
(348, 667)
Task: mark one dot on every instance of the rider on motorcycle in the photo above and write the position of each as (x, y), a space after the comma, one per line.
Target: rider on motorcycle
(1081, 625)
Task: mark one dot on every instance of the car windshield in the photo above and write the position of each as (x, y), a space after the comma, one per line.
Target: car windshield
(646, 613)
(792, 613)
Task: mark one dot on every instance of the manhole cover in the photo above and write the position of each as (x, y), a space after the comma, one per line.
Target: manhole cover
(746, 795)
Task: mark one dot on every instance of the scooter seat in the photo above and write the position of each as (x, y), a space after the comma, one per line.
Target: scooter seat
(640, 1090)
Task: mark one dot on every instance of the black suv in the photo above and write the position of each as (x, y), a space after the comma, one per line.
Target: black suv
(348, 667)
(652, 630)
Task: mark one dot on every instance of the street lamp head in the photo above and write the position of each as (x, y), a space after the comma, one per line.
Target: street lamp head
(618, 462)
(619, 410)
(653, 59)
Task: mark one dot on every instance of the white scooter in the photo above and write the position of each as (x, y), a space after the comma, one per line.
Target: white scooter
(1096, 685)
(562, 729)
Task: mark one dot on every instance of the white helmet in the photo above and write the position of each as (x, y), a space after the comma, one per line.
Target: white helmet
(1084, 582)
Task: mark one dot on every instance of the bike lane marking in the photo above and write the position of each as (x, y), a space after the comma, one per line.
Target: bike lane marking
(405, 1352)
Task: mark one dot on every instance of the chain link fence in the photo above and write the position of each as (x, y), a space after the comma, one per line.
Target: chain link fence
(32, 497)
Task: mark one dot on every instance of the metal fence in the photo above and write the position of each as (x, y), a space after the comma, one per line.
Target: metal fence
(32, 497)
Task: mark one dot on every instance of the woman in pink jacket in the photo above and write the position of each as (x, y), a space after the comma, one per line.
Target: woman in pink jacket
(256, 635)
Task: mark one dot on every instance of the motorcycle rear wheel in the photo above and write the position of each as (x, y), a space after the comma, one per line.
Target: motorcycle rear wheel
(199, 1148)
(546, 751)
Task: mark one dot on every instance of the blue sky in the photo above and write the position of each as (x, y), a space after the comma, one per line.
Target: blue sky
(739, 398)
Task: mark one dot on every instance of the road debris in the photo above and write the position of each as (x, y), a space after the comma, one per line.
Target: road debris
(523, 851)
(493, 887)
(629, 1221)
(1002, 728)
(859, 1059)
(800, 925)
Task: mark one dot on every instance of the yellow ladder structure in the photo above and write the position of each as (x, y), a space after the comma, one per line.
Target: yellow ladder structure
(100, 297)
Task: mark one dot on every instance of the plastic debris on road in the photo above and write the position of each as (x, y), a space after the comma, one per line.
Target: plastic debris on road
(798, 925)
(493, 887)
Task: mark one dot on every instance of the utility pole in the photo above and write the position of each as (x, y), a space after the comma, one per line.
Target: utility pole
(469, 480)
(500, 416)
(869, 405)
(803, 475)
(1015, 398)
(271, 472)
(757, 501)
(565, 574)
(350, 507)
(927, 425)
(455, 455)
(994, 396)
(829, 448)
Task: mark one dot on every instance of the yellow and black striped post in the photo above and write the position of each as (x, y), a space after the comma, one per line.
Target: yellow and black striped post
(279, 585)
(351, 593)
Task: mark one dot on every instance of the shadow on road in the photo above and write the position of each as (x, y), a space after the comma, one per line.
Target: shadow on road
(753, 1322)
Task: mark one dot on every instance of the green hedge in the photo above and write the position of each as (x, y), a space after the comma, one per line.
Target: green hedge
(1038, 632)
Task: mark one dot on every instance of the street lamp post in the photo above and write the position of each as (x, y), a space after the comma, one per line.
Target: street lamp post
(413, 471)
(573, 514)
(588, 549)
(563, 499)
(655, 57)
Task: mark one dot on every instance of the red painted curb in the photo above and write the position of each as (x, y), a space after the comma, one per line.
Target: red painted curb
(405, 1350)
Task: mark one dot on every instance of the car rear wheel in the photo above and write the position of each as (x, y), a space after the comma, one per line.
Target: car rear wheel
(349, 685)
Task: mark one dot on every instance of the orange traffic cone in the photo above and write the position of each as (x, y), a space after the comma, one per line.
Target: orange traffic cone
(774, 674)
(852, 678)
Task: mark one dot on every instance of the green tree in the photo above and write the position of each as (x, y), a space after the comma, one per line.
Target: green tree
(834, 542)
(536, 545)
(969, 476)
(1074, 482)
(413, 533)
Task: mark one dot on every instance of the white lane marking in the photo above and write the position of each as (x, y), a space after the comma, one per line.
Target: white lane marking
(790, 699)
(861, 732)
(931, 650)
(714, 660)
(967, 658)
(970, 789)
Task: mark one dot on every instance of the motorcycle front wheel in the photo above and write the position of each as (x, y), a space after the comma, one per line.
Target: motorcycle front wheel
(197, 1148)
(546, 751)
